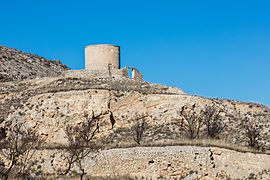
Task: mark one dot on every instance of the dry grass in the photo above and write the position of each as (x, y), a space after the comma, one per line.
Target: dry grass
(171, 142)
(204, 143)
(127, 143)
(188, 142)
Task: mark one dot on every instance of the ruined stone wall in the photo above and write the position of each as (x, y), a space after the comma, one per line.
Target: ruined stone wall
(110, 72)
(125, 72)
(113, 73)
(136, 74)
(85, 74)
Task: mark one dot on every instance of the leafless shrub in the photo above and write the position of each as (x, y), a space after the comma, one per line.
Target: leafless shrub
(79, 143)
(18, 148)
(139, 128)
(252, 132)
(191, 122)
(212, 120)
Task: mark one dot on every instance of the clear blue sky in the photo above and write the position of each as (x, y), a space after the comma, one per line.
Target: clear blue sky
(214, 48)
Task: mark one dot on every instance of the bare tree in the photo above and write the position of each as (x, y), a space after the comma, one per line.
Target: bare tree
(139, 128)
(79, 139)
(252, 132)
(191, 122)
(18, 148)
(213, 121)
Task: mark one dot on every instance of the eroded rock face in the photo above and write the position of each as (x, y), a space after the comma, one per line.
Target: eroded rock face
(179, 162)
(170, 162)
(18, 65)
(50, 105)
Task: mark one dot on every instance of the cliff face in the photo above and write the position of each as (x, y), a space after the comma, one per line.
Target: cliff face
(49, 105)
(18, 65)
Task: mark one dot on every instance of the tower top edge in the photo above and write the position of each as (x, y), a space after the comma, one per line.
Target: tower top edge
(100, 45)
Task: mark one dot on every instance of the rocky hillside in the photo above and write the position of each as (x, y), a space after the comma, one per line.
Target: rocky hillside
(50, 105)
(18, 65)
(184, 136)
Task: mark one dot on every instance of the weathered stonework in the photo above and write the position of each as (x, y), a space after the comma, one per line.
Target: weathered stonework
(136, 74)
(111, 72)
(99, 57)
(125, 72)
(103, 60)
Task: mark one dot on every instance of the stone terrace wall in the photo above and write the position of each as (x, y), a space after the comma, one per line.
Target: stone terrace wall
(114, 73)
(109, 73)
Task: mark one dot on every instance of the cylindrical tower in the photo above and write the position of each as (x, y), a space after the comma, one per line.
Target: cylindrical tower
(99, 57)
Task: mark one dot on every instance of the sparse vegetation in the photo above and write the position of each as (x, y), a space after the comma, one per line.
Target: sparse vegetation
(252, 131)
(213, 121)
(18, 147)
(191, 121)
(79, 139)
(139, 128)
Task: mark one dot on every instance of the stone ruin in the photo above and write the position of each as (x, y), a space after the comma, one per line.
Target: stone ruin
(135, 73)
(103, 61)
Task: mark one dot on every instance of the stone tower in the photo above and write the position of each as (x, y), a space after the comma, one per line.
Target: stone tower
(99, 57)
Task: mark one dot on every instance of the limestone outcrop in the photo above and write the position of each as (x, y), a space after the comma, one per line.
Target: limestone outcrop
(50, 104)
